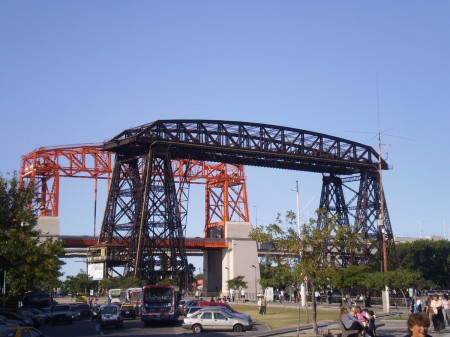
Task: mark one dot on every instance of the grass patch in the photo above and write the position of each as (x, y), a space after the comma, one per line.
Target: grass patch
(279, 317)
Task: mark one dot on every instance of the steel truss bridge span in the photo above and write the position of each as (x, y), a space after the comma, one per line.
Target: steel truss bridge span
(147, 196)
(249, 144)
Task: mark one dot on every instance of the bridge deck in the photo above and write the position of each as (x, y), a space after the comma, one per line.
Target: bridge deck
(191, 243)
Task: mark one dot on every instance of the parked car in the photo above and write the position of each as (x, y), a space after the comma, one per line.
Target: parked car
(15, 314)
(85, 309)
(38, 321)
(45, 316)
(216, 319)
(21, 331)
(6, 322)
(110, 315)
(186, 305)
(76, 313)
(128, 311)
(61, 313)
(217, 304)
(193, 310)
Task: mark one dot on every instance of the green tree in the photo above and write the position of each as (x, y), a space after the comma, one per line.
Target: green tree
(431, 258)
(276, 269)
(237, 283)
(80, 283)
(29, 264)
(306, 255)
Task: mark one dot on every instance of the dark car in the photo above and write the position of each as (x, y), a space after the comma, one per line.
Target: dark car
(43, 316)
(38, 321)
(15, 314)
(61, 313)
(6, 322)
(128, 311)
(85, 310)
(76, 313)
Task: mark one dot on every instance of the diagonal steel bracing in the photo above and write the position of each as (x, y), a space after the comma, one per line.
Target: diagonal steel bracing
(340, 197)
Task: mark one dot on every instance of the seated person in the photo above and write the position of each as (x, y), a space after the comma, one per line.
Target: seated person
(350, 322)
(360, 316)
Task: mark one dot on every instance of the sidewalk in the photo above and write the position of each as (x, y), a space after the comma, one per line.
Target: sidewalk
(392, 327)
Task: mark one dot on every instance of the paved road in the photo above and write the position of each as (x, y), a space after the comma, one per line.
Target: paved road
(134, 328)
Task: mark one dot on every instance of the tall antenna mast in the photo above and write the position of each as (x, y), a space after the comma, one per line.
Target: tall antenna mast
(381, 196)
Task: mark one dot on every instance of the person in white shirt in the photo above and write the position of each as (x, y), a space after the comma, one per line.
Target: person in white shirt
(436, 313)
(446, 308)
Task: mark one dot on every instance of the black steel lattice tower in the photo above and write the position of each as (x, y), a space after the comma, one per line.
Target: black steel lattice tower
(143, 211)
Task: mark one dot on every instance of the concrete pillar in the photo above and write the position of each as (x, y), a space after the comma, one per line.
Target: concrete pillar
(241, 259)
(49, 226)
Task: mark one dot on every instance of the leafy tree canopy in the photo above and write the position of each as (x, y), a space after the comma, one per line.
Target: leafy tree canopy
(29, 263)
(430, 257)
(237, 283)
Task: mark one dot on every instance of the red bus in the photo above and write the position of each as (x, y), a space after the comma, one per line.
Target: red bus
(159, 303)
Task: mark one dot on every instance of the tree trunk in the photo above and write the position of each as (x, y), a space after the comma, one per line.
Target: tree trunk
(314, 310)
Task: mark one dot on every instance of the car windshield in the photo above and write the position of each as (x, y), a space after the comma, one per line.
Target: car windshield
(109, 310)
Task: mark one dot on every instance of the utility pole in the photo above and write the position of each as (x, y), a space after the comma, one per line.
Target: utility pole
(381, 215)
(296, 190)
(382, 227)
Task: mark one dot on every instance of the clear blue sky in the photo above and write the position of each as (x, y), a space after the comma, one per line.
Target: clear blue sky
(82, 71)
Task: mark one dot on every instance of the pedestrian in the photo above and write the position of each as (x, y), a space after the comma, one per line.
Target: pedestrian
(436, 313)
(317, 296)
(259, 306)
(371, 328)
(329, 296)
(296, 298)
(281, 296)
(418, 325)
(446, 308)
(416, 305)
(243, 295)
(263, 306)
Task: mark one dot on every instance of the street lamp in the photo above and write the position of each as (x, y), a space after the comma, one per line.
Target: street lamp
(256, 290)
(228, 279)
(256, 216)
(296, 190)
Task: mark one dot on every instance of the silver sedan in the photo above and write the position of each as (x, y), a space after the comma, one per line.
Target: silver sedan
(216, 319)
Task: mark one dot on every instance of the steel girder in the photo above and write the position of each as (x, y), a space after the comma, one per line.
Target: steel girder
(363, 207)
(250, 144)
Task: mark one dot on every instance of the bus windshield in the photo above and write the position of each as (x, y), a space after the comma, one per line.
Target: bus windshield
(158, 295)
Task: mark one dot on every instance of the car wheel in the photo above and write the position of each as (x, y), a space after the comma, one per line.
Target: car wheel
(238, 328)
(197, 328)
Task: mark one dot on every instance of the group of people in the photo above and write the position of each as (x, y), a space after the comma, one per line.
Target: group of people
(434, 310)
(357, 319)
(438, 310)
